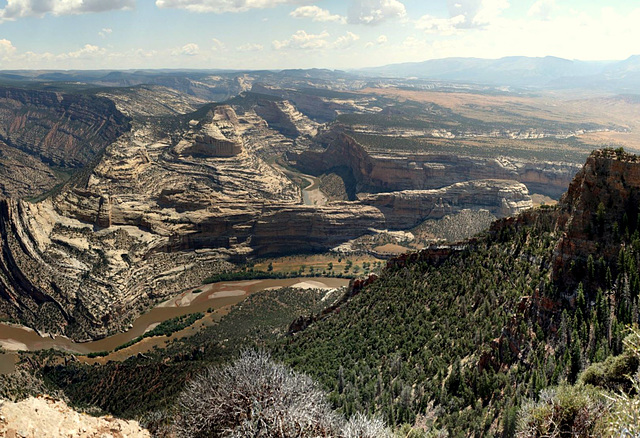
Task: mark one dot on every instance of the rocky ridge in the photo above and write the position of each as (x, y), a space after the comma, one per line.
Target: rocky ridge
(407, 208)
(600, 206)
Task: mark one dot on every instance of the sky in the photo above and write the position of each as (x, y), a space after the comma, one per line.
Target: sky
(279, 34)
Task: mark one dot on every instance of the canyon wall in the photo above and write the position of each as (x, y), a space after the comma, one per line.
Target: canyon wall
(410, 171)
(408, 208)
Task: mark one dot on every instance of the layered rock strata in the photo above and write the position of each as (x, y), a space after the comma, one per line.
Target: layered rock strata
(410, 171)
(406, 209)
(601, 205)
(39, 129)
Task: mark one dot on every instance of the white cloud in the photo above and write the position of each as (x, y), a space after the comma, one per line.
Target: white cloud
(382, 39)
(250, 47)
(217, 45)
(39, 8)
(441, 26)
(221, 6)
(7, 49)
(477, 13)
(105, 32)
(346, 40)
(542, 9)
(303, 40)
(190, 49)
(375, 11)
(317, 14)
(88, 51)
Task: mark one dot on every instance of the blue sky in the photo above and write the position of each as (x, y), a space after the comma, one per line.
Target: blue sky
(275, 34)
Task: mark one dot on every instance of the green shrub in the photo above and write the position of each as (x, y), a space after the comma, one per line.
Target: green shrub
(574, 411)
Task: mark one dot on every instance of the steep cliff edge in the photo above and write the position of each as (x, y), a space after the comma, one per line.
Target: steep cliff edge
(546, 294)
(599, 211)
(62, 129)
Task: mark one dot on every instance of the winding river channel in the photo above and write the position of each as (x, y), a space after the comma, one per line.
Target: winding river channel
(212, 296)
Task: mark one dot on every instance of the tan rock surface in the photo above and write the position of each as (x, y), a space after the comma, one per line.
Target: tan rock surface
(44, 417)
(405, 209)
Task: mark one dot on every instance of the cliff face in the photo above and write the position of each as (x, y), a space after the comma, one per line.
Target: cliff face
(47, 417)
(169, 202)
(215, 139)
(63, 129)
(594, 218)
(429, 171)
(149, 220)
(284, 117)
(405, 209)
(40, 128)
(599, 208)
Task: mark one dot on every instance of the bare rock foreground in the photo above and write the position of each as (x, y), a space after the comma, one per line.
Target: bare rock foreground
(45, 417)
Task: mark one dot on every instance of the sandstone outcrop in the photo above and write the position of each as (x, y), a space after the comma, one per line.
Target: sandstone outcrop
(146, 222)
(152, 101)
(174, 199)
(47, 417)
(215, 136)
(601, 204)
(406, 209)
(284, 117)
(67, 130)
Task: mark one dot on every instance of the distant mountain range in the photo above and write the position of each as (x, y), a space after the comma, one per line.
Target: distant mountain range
(513, 71)
(521, 71)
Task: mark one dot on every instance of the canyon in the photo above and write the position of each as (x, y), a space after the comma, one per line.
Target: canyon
(162, 190)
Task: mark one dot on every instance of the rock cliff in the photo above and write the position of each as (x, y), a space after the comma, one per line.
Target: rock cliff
(600, 206)
(411, 171)
(62, 129)
(147, 221)
(172, 200)
(39, 129)
(406, 209)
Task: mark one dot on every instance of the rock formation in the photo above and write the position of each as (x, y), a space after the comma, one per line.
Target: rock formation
(42, 128)
(47, 417)
(411, 171)
(406, 209)
(215, 139)
(601, 204)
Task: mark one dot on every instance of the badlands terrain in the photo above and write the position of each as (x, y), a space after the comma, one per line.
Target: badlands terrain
(121, 190)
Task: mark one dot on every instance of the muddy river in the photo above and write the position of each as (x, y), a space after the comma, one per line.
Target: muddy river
(213, 296)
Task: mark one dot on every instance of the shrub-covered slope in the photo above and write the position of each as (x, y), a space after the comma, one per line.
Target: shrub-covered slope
(460, 336)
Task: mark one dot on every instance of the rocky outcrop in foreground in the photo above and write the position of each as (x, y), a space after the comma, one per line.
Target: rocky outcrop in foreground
(45, 417)
(600, 206)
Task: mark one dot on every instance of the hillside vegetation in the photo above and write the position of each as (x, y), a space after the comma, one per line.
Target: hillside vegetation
(459, 337)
